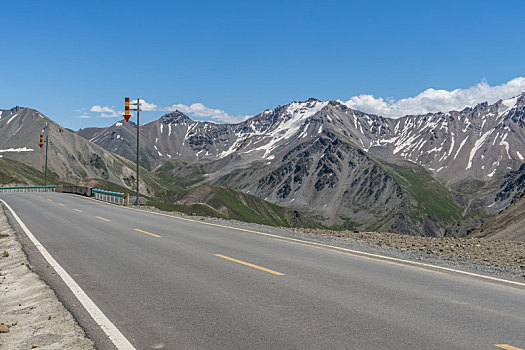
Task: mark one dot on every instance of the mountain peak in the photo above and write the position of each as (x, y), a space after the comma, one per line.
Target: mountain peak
(176, 117)
(313, 99)
(521, 99)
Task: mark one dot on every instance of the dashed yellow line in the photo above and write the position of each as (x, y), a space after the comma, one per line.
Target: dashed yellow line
(507, 347)
(146, 232)
(250, 265)
(49, 200)
(80, 211)
(98, 217)
(61, 204)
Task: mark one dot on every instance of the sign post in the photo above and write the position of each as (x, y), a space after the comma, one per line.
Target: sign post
(126, 117)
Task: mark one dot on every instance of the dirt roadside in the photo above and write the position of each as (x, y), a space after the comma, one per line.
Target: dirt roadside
(29, 309)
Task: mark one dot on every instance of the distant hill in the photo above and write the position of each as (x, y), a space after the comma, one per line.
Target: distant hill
(508, 202)
(508, 224)
(232, 204)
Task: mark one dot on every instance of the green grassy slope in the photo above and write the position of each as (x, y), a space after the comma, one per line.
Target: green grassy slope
(233, 204)
(181, 173)
(159, 188)
(13, 172)
(425, 193)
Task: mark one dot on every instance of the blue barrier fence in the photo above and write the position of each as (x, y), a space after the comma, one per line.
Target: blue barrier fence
(109, 193)
(109, 196)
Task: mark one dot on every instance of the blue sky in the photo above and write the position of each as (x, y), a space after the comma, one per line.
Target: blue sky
(234, 59)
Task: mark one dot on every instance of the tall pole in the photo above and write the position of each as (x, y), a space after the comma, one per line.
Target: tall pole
(137, 202)
(45, 171)
(126, 117)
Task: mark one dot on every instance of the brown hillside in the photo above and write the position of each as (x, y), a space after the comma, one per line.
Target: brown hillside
(509, 224)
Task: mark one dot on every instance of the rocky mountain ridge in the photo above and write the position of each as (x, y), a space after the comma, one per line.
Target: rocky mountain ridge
(340, 165)
(483, 142)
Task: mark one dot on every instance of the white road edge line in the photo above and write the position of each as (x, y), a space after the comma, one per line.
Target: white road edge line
(116, 337)
(384, 258)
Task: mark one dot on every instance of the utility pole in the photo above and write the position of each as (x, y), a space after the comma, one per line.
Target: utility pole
(42, 144)
(127, 116)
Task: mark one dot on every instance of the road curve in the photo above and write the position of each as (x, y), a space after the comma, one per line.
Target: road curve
(167, 283)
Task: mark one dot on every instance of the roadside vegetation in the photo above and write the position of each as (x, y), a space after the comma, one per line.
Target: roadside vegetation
(213, 201)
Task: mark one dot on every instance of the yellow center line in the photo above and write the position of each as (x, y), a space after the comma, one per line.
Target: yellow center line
(507, 347)
(61, 204)
(80, 211)
(146, 232)
(49, 199)
(250, 265)
(98, 217)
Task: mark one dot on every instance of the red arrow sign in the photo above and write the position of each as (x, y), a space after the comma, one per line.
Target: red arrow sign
(126, 106)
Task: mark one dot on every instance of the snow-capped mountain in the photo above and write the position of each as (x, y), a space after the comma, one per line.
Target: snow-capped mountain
(481, 142)
(417, 174)
(340, 165)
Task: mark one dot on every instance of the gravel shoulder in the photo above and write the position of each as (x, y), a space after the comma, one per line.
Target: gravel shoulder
(494, 258)
(30, 312)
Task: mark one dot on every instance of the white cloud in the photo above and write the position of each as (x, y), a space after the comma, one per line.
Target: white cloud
(145, 106)
(429, 101)
(432, 100)
(83, 117)
(201, 111)
(100, 109)
(106, 112)
(111, 112)
(117, 114)
(194, 110)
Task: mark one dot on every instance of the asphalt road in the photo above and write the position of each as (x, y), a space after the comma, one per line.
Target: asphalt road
(167, 283)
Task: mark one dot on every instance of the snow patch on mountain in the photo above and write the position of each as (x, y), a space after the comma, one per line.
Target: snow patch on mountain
(23, 149)
(477, 146)
(461, 146)
(13, 117)
(507, 105)
(297, 113)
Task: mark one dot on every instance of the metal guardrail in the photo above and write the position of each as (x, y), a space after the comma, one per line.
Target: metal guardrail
(80, 190)
(112, 197)
(50, 188)
(107, 196)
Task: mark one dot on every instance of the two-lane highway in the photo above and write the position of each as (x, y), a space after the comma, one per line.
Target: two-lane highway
(178, 284)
